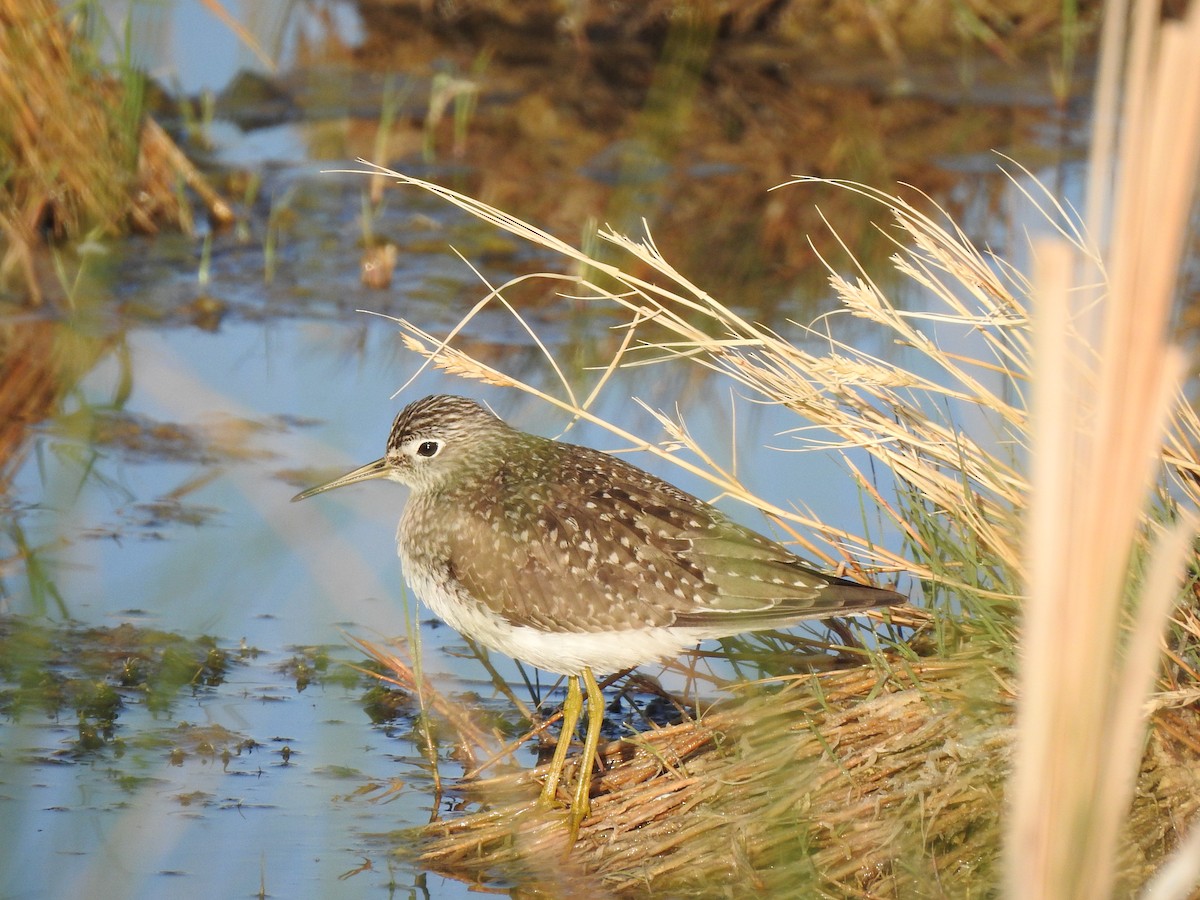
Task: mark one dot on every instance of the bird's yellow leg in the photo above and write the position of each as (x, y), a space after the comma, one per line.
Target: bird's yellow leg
(581, 804)
(571, 710)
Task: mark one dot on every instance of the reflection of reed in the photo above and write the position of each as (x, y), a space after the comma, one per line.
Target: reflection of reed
(28, 388)
(687, 118)
(40, 361)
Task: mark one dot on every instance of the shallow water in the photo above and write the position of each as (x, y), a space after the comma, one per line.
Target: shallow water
(156, 494)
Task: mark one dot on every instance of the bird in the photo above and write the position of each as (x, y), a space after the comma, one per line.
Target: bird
(575, 561)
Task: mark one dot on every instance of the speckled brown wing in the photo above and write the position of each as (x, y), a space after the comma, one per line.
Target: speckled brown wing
(549, 556)
(576, 552)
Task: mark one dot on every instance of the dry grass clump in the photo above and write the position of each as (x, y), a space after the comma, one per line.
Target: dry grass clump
(781, 790)
(78, 154)
(872, 781)
(69, 145)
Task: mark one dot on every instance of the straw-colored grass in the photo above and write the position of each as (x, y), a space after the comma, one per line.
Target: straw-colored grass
(1097, 600)
(77, 154)
(69, 144)
(865, 782)
(1037, 537)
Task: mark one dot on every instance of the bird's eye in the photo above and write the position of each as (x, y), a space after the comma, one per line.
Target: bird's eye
(428, 448)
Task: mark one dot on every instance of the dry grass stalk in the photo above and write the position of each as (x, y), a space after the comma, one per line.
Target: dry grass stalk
(471, 740)
(1106, 380)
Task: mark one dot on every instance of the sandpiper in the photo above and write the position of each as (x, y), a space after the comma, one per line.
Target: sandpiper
(573, 560)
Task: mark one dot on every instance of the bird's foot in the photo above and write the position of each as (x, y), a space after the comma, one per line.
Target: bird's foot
(575, 817)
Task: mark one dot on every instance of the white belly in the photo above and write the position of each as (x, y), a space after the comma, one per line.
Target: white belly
(564, 652)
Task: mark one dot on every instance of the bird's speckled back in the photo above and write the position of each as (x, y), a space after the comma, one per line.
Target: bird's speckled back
(566, 539)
